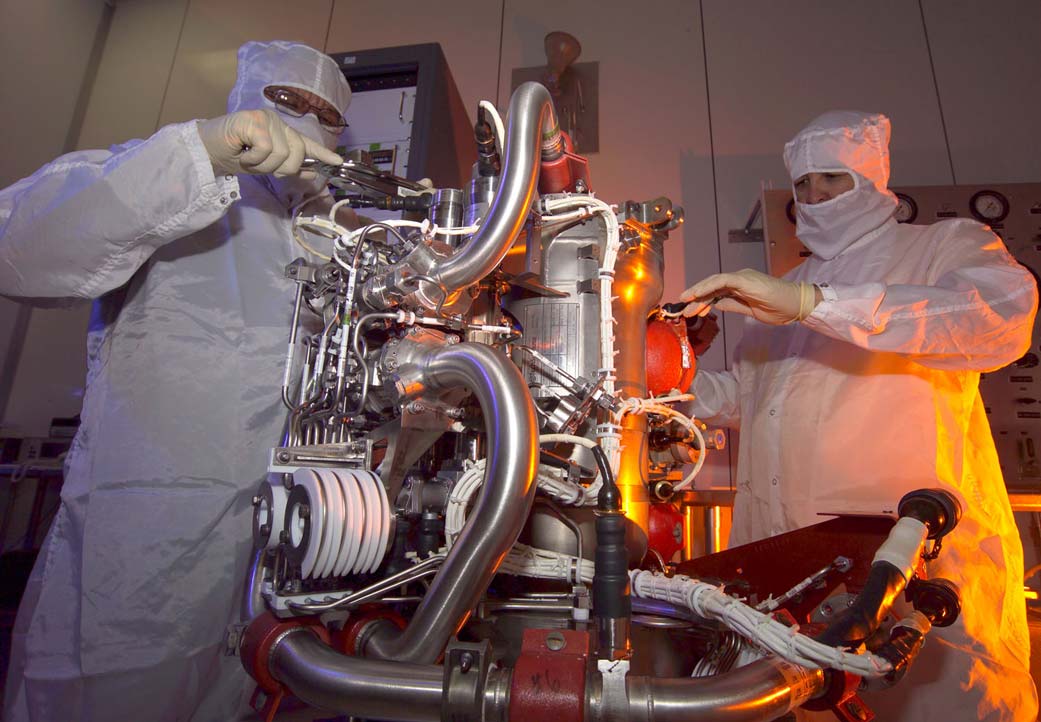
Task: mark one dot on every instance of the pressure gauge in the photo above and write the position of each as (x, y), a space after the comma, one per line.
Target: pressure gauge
(988, 206)
(906, 209)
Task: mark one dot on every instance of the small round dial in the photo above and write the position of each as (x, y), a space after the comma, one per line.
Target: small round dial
(906, 209)
(988, 206)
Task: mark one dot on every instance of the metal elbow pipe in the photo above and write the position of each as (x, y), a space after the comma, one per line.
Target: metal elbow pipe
(501, 510)
(763, 690)
(531, 113)
(372, 689)
(531, 118)
(252, 601)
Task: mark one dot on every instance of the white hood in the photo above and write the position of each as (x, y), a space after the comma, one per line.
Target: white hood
(291, 65)
(845, 142)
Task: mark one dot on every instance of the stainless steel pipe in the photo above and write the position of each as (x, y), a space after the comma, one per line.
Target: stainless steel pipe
(530, 115)
(373, 689)
(761, 691)
(531, 112)
(501, 510)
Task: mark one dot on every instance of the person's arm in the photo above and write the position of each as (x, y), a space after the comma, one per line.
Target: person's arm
(716, 398)
(977, 311)
(83, 224)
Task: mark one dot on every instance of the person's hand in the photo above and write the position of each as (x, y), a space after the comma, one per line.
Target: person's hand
(749, 292)
(258, 141)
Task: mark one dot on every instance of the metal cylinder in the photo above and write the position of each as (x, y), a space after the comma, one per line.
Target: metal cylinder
(637, 288)
(447, 212)
(480, 195)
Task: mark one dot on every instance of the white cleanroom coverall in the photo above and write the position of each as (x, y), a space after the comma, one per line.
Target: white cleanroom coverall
(125, 613)
(875, 394)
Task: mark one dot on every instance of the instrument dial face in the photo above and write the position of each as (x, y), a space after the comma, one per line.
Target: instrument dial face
(906, 209)
(988, 206)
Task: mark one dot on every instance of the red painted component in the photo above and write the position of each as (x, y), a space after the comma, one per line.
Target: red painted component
(549, 679)
(670, 358)
(561, 174)
(257, 640)
(666, 530)
(346, 639)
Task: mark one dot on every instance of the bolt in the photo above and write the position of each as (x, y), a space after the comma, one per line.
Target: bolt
(256, 500)
(283, 456)
(305, 511)
(466, 661)
(555, 641)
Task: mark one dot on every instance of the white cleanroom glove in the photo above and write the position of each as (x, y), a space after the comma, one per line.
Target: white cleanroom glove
(259, 142)
(749, 292)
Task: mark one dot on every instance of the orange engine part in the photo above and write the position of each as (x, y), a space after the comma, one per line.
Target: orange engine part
(670, 358)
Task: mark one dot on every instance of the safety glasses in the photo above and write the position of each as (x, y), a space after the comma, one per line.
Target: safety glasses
(292, 103)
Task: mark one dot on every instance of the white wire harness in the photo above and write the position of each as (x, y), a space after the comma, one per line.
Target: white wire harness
(660, 406)
(709, 601)
(580, 207)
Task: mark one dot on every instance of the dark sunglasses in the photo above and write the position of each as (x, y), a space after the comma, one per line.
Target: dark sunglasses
(296, 105)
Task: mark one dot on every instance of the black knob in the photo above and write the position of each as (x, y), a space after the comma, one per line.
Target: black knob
(938, 509)
(938, 599)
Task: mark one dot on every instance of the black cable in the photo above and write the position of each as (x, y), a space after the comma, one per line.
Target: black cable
(603, 465)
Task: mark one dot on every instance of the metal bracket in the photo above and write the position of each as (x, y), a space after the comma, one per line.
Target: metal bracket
(747, 234)
(466, 669)
(287, 459)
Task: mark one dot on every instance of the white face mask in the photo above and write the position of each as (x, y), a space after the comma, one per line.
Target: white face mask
(829, 228)
(847, 142)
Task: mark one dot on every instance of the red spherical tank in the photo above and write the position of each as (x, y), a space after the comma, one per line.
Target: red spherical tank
(665, 535)
(670, 358)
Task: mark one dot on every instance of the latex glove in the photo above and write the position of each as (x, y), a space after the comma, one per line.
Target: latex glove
(749, 292)
(259, 142)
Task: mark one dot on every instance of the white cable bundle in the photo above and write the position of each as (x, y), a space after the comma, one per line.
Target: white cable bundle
(606, 433)
(459, 500)
(525, 561)
(711, 602)
(473, 476)
(658, 406)
(522, 560)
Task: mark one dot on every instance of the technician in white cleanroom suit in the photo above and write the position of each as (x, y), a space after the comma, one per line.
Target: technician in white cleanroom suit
(856, 380)
(143, 568)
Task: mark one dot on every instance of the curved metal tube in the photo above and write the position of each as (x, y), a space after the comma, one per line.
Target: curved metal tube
(502, 508)
(531, 111)
(763, 690)
(252, 601)
(322, 677)
(531, 117)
